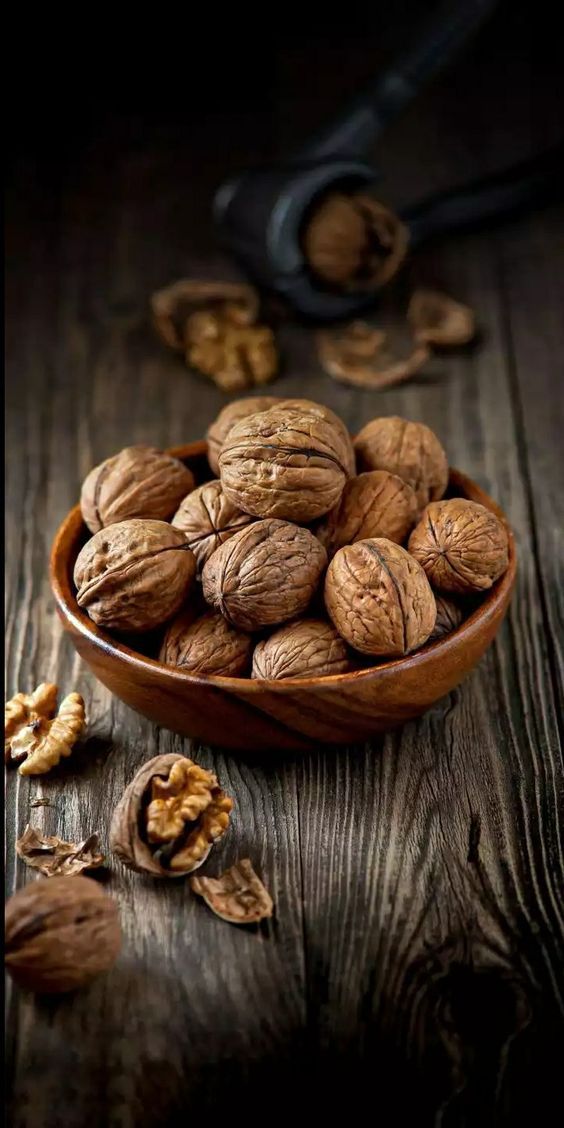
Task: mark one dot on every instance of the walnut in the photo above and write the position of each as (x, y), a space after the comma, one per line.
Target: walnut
(359, 355)
(175, 305)
(264, 575)
(283, 463)
(304, 648)
(437, 319)
(209, 645)
(60, 934)
(169, 817)
(379, 602)
(449, 617)
(462, 546)
(208, 518)
(54, 857)
(320, 411)
(140, 481)
(374, 504)
(237, 896)
(354, 242)
(134, 575)
(218, 430)
(234, 356)
(34, 737)
(410, 450)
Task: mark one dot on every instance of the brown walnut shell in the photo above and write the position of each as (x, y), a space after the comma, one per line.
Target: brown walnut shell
(60, 933)
(239, 409)
(440, 321)
(462, 546)
(379, 602)
(209, 645)
(134, 575)
(174, 306)
(208, 518)
(410, 450)
(264, 575)
(374, 504)
(305, 648)
(140, 481)
(449, 617)
(284, 463)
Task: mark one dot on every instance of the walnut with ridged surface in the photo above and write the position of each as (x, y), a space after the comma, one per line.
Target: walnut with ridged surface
(208, 518)
(208, 645)
(218, 431)
(139, 481)
(462, 546)
(449, 617)
(410, 450)
(374, 504)
(302, 649)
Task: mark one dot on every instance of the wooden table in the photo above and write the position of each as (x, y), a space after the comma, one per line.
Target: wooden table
(415, 960)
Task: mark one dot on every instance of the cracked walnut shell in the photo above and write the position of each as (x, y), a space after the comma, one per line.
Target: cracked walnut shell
(462, 546)
(302, 649)
(237, 896)
(264, 575)
(34, 737)
(208, 518)
(134, 575)
(410, 450)
(379, 598)
(374, 504)
(60, 934)
(284, 463)
(440, 321)
(140, 481)
(169, 817)
(209, 645)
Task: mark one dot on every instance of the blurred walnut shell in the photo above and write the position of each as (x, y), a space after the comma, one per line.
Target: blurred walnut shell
(374, 504)
(208, 518)
(264, 575)
(208, 645)
(174, 306)
(410, 450)
(284, 463)
(440, 321)
(354, 242)
(462, 546)
(302, 649)
(379, 602)
(134, 575)
(239, 409)
(449, 617)
(60, 933)
(140, 481)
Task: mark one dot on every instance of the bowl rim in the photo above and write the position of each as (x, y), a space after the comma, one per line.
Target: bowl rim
(59, 572)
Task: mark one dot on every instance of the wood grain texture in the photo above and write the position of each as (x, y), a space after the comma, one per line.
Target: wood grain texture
(415, 958)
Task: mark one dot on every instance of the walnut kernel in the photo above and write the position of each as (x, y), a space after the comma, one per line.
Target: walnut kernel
(34, 737)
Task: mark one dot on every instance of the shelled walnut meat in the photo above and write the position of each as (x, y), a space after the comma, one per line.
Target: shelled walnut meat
(169, 817)
(207, 645)
(462, 546)
(208, 518)
(140, 481)
(374, 504)
(36, 736)
(264, 575)
(410, 450)
(304, 648)
(379, 598)
(134, 575)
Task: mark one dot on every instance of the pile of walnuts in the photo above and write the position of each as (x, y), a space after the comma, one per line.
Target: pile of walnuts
(308, 554)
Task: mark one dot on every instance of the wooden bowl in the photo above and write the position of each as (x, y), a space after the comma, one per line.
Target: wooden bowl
(294, 714)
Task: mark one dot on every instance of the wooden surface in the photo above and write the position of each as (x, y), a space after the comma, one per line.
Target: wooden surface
(415, 962)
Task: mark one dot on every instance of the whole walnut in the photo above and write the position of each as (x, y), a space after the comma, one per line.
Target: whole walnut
(208, 518)
(320, 411)
(284, 463)
(449, 617)
(235, 411)
(135, 575)
(304, 648)
(140, 481)
(410, 450)
(264, 575)
(60, 933)
(379, 598)
(208, 645)
(374, 504)
(462, 546)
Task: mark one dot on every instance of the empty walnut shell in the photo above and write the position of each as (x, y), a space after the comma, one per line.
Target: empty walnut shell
(449, 617)
(305, 648)
(134, 575)
(264, 575)
(379, 602)
(374, 504)
(140, 481)
(438, 320)
(60, 933)
(230, 415)
(208, 518)
(283, 463)
(410, 450)
(462, 546)
(209, 645)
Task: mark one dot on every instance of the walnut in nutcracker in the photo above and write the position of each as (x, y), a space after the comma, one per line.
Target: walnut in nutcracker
(208, 518)
(140, 481)
(374, 504)
(134, 575)
(208, 645)
(462, 546)
(379, 598)
(264, 575)
(284, 463)
(410, 450)
(169, 817)
(304, 648)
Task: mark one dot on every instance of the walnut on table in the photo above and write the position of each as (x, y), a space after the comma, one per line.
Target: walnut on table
(208, 518)
(34, 736)
(139, 481)
(207, 645)
(374, 504)
(54, 857)
(462, 546)
(301, 649)
(410, 450)
(440, 321)
(359, 355)
(237, 896)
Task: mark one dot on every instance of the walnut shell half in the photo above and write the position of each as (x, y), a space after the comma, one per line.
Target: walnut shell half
(304, 649)
(208, 518)
(379, 602)
(462, 546)
(374, 504)
(140, 481)
(209, 645)
(410, 450)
